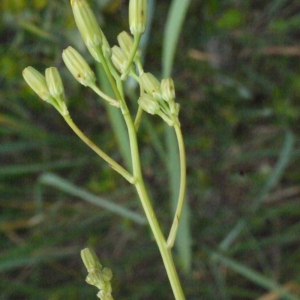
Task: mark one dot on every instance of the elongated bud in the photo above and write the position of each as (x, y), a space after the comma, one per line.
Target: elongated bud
(56, 90)
(88, 26)
(174, 108)
(54, 82)
(137, 16)
(126, 42)
(149, 104)
(167, 89)
(151, 85)
(97, 276)
(37, 82)
(119, 58)
(90, 259)
(78, 67)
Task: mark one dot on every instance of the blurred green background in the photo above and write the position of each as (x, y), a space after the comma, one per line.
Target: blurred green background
(237, 74)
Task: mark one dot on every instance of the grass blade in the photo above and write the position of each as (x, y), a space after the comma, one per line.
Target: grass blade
(282, 163)
(67, 187)
(174, 24)
(253, 276)
(173, 27)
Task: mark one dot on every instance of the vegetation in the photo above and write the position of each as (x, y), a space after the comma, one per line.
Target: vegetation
(237, 80)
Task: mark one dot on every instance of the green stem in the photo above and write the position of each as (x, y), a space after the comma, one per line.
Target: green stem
(165, 251)
(109, 76)
(96, 149)
(150, 214)
(111, 101)
(138, 118)
(174, 228)
(135, 46)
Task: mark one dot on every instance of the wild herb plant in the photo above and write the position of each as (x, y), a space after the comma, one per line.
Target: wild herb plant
(156, 98)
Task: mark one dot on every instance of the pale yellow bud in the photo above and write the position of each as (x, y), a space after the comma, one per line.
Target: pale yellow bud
(90, 259)
(88, 26)
(56, 90)
(151, 85)
(137, 16)
(119, 58)
(37, 82)
(167, 89)
(149, 104)
(54, 82)
(78, 67)
(126, 42)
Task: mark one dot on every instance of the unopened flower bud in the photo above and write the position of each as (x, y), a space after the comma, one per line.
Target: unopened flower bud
(88, 26)
(149, 104)
(175, 107)
(90, 259)
(37, 82)
(137, 16)
(78, 67)
(103, 295)
(126, 42)
(119, 58)
(54, 82)
(56, 90)
(151, 85)
(167, 89)
(107, 274)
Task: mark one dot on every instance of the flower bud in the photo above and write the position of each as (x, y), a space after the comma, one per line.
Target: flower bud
(54, 82)
(37, 82)
(95, 278)
(90, 259)
(175, 107)
(78, 67)
(107, 274)
(149, 104)
(119, 58)
(151, 85)
(137, 16)
(56, 90)
(103, 295)
(88, 26)
(126, 42)
(167, 89)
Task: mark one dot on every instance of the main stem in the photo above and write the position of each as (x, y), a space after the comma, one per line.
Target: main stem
(150, 214)
(165, 251)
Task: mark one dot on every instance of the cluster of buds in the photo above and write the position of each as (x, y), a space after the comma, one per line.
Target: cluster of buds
(121, 55)
(49, 87)
(97, 276)
(159, 98)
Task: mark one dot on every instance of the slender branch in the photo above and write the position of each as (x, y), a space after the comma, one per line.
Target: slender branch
(138, 118)
(118, 168)
(174, 228)
(104, 96)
